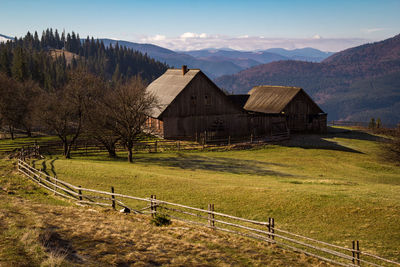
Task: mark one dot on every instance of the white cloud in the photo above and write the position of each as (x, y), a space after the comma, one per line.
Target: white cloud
(372, 30)
(159, 37)
(190, 35)
(196, 41)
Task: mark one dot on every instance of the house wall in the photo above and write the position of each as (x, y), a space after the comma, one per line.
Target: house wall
(200, 107)
(267, 124)
(303, 114)
(154, 126)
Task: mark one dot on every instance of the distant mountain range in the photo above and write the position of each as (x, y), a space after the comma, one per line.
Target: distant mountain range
(356, 84)
(263, 56)
(218, 62)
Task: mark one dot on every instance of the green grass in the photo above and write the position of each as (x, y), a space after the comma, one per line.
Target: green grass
(336, 188)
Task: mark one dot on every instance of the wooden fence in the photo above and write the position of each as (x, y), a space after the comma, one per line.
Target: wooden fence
(263, 231)
(87, 147)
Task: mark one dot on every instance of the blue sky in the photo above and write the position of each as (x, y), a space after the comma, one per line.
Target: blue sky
(246, 25)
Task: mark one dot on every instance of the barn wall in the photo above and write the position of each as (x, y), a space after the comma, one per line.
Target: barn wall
(154, 126)
(200, 107)
(201, 97)
(304, 115)
(214, 125)
(267, 124)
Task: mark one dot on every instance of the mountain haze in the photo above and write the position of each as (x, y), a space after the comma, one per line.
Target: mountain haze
(355, 84)
(218, 62)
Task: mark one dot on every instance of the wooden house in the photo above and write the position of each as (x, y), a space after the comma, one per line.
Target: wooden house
(301, 112)
(190, 104)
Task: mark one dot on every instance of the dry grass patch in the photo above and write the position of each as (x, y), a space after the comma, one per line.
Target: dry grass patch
(52, 235)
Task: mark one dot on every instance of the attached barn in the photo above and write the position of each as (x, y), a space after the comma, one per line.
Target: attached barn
(301, 112)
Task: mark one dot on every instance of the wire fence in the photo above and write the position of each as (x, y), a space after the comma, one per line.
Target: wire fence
(263, 231)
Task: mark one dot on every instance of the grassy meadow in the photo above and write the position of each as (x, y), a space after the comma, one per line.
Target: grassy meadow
(38, 229)
(338, 187)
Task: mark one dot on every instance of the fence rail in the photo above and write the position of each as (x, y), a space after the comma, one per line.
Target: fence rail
(263, 231)
(87, 147)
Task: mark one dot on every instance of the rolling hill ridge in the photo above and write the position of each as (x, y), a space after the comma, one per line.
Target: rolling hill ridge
(355, 84)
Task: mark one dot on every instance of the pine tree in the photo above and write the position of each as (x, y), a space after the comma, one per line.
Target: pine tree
(19, 70)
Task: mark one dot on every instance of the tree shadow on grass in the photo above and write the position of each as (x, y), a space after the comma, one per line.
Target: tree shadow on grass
(218, 164)
(318, 141)
(52, 171)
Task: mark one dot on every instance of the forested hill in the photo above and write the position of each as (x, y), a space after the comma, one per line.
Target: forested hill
(33, 57)
(355, 84)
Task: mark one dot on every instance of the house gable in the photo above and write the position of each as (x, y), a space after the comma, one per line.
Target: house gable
(200, 97)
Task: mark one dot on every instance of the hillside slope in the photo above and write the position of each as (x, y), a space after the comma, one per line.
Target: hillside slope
(37, 229)
(363, 81)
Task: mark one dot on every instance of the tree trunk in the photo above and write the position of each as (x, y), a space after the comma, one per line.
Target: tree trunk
(11, 129)
(66, 152)
(29, 133)
(130, 156)
(111, 152)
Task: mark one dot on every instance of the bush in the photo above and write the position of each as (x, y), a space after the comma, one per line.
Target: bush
(161, 220)
(372, 124)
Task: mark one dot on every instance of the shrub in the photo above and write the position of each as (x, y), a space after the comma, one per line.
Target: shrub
(372, 124)
(161, 220)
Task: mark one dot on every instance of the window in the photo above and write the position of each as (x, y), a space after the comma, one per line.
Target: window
(193, 99)
(207, 100)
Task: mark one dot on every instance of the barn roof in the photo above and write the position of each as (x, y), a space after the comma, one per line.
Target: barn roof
(168, 86)
(271, 99)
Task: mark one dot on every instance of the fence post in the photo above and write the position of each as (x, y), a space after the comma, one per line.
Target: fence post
(151, 206)
(155, 146)
(55, 184)
(358, 252)
(353, 251)
(112, 197)
(155, 205)
(211, 215)
(269, 226)
(80, 192)
(229, 140)
(272, 228)
(251, 138)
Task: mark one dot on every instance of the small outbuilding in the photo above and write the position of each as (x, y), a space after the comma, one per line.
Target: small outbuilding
(301, 112)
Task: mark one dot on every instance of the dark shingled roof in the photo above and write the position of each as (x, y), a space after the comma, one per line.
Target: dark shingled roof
(168, 86)
(270, 99)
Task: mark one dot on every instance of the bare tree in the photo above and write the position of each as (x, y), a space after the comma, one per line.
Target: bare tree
(62, 112)
(126, 108)
(100, 127)
(8, 105)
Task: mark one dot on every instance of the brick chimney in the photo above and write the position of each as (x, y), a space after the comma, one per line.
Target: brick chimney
(184, 69)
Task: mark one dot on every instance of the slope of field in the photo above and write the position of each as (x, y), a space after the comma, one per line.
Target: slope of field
(362, 81)
(336, 188)
(37, 229)
(68, 55)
